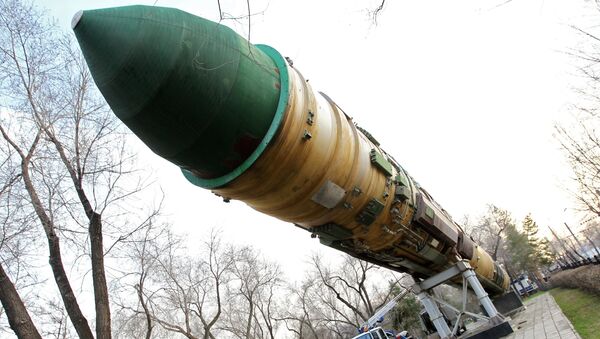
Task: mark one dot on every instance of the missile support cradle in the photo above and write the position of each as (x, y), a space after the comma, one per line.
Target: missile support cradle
(240, 120)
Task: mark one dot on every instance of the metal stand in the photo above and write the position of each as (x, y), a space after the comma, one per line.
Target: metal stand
(509, 303)
(495, 321)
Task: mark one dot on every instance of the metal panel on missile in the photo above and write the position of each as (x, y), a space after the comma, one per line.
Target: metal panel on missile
(434, 220)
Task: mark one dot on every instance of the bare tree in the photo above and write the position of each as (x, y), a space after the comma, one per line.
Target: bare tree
(268, 305)
(579, 138)
(25, 46)
(217, 291)
(252, 295)
(339, 300)
(176, 308)
(134, 315)
(376, 11)
(568, 248)
(14, 254)
(575, 238)
(302, 318)
(73, 162)
(179, 292)
(489, 231)
(581, 146)
(591, 232)
(16, 312)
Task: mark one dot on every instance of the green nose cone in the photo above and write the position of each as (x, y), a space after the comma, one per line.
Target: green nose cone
(194, 91)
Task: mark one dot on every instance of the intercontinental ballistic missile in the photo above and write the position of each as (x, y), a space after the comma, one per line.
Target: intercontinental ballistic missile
(241, 121)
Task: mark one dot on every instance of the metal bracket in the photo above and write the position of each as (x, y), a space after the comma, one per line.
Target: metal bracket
(381, 162)
(370, 212)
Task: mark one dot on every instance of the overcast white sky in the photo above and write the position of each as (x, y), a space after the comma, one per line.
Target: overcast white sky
(462, 93)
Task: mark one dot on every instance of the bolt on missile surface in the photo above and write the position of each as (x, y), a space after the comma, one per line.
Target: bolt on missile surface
(239, 120)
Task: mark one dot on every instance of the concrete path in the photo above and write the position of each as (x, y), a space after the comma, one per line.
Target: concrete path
(542, 319)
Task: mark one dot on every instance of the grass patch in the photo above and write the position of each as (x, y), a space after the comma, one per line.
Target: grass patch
(582, 310)
(533, 296)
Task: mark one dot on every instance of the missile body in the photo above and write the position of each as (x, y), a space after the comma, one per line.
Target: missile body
(239, 120)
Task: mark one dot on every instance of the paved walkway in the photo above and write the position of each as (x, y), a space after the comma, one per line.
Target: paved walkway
(542, 319)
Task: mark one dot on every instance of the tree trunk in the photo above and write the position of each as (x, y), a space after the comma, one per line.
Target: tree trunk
(99, 279)
(140, 293)
(103, 325)
(497, 245)
(577, 241)
(540, 279)
(593, 244)
(18, 317)
(562, 244)
(60, 276)
(250, 315)
(66, 292)
(271, 334)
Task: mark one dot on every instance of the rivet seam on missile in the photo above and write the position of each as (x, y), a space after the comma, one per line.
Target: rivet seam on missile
(310, 120)
(306, 135)
(289, 61)
(367, 134)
